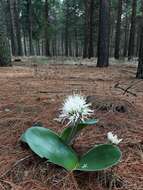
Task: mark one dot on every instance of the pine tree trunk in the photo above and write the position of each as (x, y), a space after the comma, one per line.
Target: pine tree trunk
(137, 46)
(111, 30)
(70, 47)
(47, 43)
(126, 30)
(62, 43)
(18, 28)
(66, 40)
(132, 31)
(103, 39)
(29, 11)
(5, 57)
(76, 42)
(67, 28)
(43, 47)
(118, 31)
(140, 64)
(88, 38)
(12, 28)
(38, 47)
(139, 74)
(24, 43)
(90, 43)
(85, 34)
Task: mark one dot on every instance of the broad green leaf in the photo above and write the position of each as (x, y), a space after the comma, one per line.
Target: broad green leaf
(47, 144)
(65, 134)
(100, 157)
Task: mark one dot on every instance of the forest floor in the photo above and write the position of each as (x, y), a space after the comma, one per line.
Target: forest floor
(31, 93)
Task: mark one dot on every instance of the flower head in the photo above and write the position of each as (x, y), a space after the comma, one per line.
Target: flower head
(74, 109)
(113, 138)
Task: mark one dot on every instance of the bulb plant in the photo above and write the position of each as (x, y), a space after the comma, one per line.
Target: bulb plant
(76, 113)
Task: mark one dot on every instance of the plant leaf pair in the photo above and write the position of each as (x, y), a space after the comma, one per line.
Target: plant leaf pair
(47, 144)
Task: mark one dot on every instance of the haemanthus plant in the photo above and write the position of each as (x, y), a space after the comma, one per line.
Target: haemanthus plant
(57, 147)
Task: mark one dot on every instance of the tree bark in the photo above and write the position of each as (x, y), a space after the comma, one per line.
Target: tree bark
(47, 44)
(29, 11)
(70, 47)
(118, 31)
(76, 42)
(12, 28)
(5, 57)
(103, 39)
(67, 28)
(18, 28)
(132, 31)
(85, 31)
(24, 42)
(137, 41)
(139, 74)
(126, 30)
(88, 39)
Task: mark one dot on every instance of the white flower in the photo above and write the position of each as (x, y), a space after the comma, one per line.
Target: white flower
(113, 138)
(74, 109)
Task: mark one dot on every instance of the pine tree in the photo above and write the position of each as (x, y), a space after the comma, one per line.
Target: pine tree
(47, 48)
(14, 47)
(140, 64)
(132, 30)
(88, 38)
(126, 29)
(103, 43)
(5, 57)
(118, 31)
(139, 74)
(18, 27)
(67, 26)
(30, 27)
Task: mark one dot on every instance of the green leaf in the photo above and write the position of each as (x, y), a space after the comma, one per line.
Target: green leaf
(100, 157)
(67, 131)
(46, 144)
(90, 122)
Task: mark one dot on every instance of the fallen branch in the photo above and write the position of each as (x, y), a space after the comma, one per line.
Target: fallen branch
(126, 90)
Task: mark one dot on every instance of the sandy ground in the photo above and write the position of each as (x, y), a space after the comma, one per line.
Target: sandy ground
(34, 93)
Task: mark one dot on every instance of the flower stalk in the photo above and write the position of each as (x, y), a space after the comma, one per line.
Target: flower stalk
(73, 133)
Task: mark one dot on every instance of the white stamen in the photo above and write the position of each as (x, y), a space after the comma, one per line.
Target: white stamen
(75, 108)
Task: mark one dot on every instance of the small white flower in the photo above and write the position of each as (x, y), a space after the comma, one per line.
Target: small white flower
(113, 138)
(75, 108)
(84, 166)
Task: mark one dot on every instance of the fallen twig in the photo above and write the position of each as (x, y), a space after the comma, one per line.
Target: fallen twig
(126, 90)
